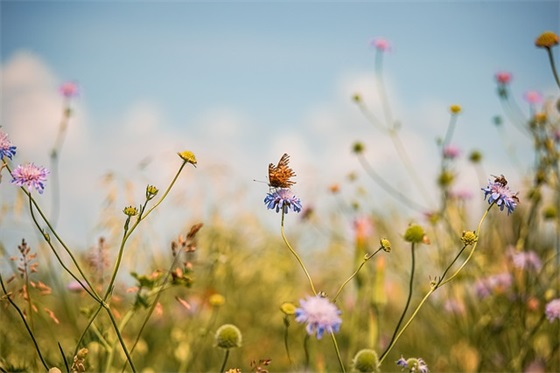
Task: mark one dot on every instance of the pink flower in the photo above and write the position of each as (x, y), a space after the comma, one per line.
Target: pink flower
(30, 176)
(533, 97)
(503, 77)
(380, 44)
(69, 89)
(451, 152)
(363, 227)
(552, 310)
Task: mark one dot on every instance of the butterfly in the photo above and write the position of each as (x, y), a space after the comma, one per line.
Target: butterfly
(279, 175)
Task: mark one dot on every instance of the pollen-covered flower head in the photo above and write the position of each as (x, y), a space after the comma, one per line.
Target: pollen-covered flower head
(552, 310)
(282, 199)
(499, 193)
(319, 314)
(547, 39)
(30, 176)
(7, 149)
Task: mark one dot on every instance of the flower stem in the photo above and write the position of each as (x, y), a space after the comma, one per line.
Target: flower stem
(226, 356)
(295, 254)
(410, 284)
(338, 353)
(368, 257)
(553, 66)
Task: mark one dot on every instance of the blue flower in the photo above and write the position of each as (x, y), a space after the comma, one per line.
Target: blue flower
(7, 149)
(413, 364)
(320, 315)
(500, 194)
(30, 176)
(282, 198)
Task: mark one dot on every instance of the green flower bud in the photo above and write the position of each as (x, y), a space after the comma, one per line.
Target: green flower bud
(385, 244)
(366, 360)
(151, 192)
(228, 336)
(358, 147)
(414, 233)
(130, 211)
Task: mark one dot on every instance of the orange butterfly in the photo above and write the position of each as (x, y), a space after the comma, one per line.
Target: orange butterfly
(279, 176)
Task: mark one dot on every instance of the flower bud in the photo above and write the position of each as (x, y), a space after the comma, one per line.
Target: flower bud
(188, 157)
(414, 233)
(228, 336)
(366, 360)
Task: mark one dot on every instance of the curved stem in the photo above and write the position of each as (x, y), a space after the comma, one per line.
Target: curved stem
(553, 66)
(368, 257)
(225, 360)
(338, 353)
(410, 284)
(295, 254)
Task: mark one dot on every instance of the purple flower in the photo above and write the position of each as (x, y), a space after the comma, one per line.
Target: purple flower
(319, 314)
(30, 176)
(500, 194)
(552, 310)
(413, 364)
(7, 149)
(496, 283)
(525, 260)
(282, 198)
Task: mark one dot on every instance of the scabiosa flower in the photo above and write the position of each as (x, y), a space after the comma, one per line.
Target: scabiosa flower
(451, 152)
(30, 176)
(366, 360)
(7, 149)
(503, 77)
(319, 314)
(495, 283)
(552, 310)
(69, 89)
(282, 199)
(500, 194)
(380, 44)
(413, 364)
(525, 260)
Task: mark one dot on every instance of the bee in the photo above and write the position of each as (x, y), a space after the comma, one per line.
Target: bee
(279, 175)
(500, 179)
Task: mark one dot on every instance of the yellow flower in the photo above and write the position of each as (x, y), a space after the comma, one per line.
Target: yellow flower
(130, 211)
(288, 308)
(455, 109)
(216, 300)
(547, 39)
(188, 156)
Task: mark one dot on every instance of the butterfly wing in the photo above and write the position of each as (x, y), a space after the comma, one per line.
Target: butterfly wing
(279, 176)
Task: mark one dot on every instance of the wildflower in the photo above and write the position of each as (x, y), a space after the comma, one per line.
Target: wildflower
(446, 178)
(495, 283)
(382, 45)
(69, 89)
(288, 308)
(188, 157)
(552, 310)
(216, 300)
(451, 152)
(469, 237)
(228, 336)
(151, 192)
(414, 233)
(366, 360)
(282, 198)
(500, 194)
(385, 245)
(533, 97)
(547, 39)
(503, 77)
(7, 149)
(363, 227)
(455, 109)
(130, 211)
(30, 176)
(527, 260)
(413, 364)
(319, 314)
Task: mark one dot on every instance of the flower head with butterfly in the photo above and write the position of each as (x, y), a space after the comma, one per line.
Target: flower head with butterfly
(280, 196)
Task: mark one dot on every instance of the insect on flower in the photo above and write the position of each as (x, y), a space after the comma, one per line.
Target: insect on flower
(500, 179)
(279, 175)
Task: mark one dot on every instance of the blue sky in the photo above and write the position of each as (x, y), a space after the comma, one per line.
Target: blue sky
(240, 83)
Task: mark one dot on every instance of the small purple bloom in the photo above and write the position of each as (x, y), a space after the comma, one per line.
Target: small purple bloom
(402, 362)
(500, 194)
(7, 149)
(525, 260)
(30, 176)
(320, 315)
(552, 310)
(413, 364)
(282, 199)
(69, 89)
(495, 283)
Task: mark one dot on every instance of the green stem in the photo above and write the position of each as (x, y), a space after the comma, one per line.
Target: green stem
(296, 254)
(22, 316)
(286, 345)
(366, 258)
(553, 66)
(225, 361)
(338, 353)
(410, 284)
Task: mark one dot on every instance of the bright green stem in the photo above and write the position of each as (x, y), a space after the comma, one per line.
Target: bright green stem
(553, 66)
(127, 317)
(368, 257)
(22, 316)
(410, 284)
(296, 255)
(225, 360)
(338, 353)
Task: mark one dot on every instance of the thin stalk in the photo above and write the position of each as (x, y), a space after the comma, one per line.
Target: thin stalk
(368, 257)
(338, 353)
(296, 254)
(22, 316)
(225, 360)
(553, 66)
(410, 284)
